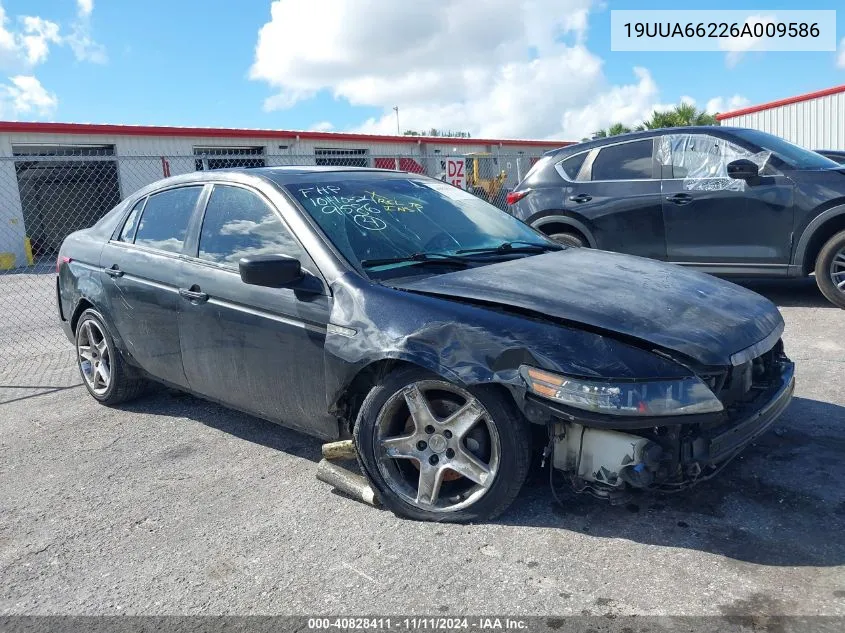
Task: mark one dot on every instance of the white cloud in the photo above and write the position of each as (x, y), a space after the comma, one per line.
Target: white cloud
(25, 96)
(322, 126)
(84, 48)
(738, 46)
(720, 104)
(85, 7)
(524, 71)
(29, 46)
(840, 60)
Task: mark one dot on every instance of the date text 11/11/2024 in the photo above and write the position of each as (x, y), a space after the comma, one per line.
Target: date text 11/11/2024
(421, 623)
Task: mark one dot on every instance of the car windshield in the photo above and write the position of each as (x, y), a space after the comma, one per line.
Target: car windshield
(411, 221)
(793, 155)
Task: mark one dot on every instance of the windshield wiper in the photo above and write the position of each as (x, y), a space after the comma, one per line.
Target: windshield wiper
(417, 258)
(511, 247)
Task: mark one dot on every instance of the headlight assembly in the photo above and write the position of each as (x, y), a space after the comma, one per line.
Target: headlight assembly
(679, 396)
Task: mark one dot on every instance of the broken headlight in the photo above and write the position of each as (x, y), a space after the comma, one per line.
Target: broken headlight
(678, 396)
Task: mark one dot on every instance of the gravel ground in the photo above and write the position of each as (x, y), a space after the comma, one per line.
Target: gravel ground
(172, 505)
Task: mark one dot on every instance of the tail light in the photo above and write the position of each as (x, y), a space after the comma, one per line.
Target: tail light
(516, 196)
(61, 260)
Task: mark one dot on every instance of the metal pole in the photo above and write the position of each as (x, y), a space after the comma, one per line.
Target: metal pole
(396, 110)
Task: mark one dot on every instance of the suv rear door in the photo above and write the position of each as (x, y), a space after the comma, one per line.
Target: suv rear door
(719, 223)
(617, 193)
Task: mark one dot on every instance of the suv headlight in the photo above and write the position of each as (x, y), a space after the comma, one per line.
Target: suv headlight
(678, 396)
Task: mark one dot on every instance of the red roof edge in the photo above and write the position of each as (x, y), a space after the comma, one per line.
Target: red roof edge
(33, 127)
(782, 102)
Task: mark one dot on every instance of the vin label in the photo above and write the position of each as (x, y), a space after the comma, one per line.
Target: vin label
(728, 31)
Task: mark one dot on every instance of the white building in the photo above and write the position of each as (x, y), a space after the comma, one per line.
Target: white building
(815, 120)
(58, 177)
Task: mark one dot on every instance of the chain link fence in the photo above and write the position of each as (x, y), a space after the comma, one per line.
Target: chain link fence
(48, 192)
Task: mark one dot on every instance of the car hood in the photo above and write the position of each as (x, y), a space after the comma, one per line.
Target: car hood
(704, 318)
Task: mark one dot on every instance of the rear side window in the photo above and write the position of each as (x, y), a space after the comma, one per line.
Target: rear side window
(626, 161)
(128, 232)
(164, 221)
(572, 165)
(239, 223)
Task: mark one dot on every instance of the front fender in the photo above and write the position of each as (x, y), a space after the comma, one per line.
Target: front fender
(801, 249)
(465, 343)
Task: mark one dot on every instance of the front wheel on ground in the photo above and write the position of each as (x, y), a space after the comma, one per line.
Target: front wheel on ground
(435, 451)
(830, 269)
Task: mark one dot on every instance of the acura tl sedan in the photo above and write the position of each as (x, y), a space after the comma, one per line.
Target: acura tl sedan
(429, 326)
(722, 200)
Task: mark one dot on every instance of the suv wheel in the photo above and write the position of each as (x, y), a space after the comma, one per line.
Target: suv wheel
(830, 269)
(435, 451)
(104, 372)
(568, 239)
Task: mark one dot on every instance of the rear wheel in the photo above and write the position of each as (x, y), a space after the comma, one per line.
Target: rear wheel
(568, 239)
(830, 270)
(104, 372)
(435, 451)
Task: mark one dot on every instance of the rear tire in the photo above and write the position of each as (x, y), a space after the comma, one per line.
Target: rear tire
(830, 270)
(104, 373)
(568, 239)
(409, 457)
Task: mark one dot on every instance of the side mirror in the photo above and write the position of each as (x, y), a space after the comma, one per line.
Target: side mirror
(271, 271)
(743, 169)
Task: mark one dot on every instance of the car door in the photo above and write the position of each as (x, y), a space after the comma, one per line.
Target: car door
(254, 348)
(142, 269)
(617, 195)
(720, 223)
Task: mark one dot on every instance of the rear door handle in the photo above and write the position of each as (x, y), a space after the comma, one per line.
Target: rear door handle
(194, 296)
(680, 198)
(581, 197)
(114, 271)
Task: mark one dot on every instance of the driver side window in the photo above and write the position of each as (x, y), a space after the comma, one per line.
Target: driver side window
(239, 223)
(697, 156)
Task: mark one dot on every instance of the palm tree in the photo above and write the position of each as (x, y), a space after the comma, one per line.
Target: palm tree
(613, 130)
(618, 128)
(682, 115)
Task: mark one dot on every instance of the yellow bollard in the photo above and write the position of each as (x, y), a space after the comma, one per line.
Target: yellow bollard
(27, 249)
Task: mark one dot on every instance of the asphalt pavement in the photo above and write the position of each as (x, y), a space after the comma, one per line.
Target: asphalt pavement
(173, 505)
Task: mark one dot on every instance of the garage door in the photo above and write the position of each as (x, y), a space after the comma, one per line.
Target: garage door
(64, 188)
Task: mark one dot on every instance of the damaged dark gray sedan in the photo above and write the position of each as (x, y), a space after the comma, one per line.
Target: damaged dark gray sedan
(428, 325)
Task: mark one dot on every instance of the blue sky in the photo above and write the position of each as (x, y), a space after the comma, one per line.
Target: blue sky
(187, 62)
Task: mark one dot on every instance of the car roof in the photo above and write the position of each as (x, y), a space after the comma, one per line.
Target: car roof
(293, 174)
(719, 130)
(283, 175)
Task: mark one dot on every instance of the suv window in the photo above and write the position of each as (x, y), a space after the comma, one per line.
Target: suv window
(239, 223)
(164, 221)
(697, 155)
(128, 232)
(572, 165)
(625, 161)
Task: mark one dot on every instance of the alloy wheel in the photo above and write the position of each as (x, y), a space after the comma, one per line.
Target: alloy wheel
(837, 270)
(437, 446)
(94, 357)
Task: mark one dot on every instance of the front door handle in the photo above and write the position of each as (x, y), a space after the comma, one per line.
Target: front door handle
(114, 271)
(193, 294)
(680, 199)
(581, 197)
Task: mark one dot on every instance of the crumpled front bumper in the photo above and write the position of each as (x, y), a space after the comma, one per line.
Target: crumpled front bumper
(725, 441)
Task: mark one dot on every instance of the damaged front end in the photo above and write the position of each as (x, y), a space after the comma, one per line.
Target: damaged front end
(614, 437)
